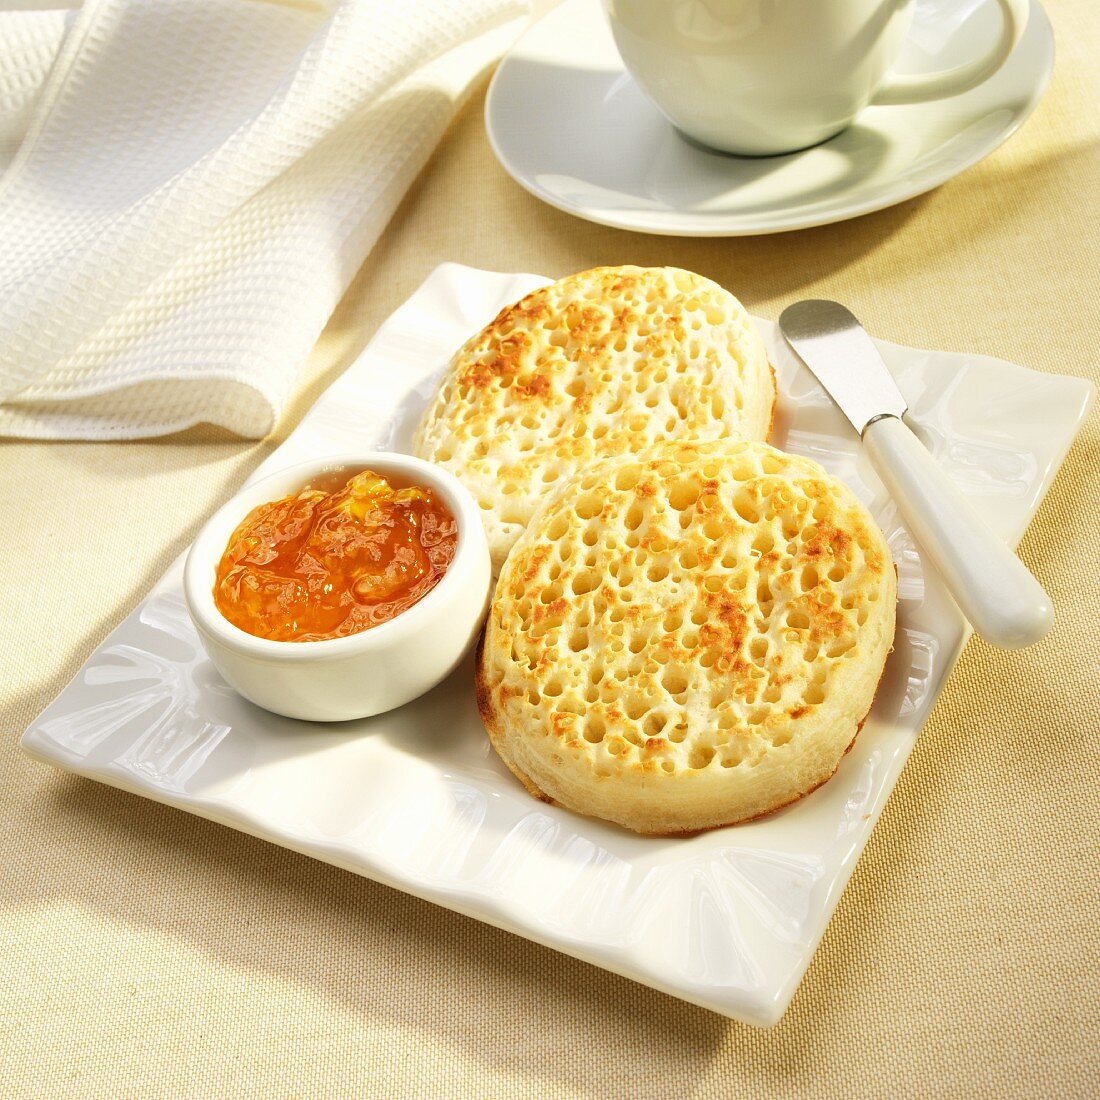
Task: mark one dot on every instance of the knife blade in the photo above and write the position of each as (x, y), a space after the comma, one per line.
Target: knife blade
(837, 349)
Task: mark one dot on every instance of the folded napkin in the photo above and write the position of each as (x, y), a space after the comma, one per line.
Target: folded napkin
(191, 185)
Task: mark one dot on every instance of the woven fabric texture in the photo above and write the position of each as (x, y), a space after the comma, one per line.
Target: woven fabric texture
(149, 954)
(198, 183)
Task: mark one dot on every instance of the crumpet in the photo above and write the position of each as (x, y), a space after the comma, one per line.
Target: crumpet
(604, 363)
(688, 638)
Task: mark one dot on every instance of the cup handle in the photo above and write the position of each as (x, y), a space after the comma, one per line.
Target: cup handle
(913, 89)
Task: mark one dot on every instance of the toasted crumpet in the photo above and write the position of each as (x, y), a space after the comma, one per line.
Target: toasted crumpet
(688, 638)
(604, 363)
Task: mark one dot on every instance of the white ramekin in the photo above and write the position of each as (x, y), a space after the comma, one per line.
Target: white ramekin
(362, 674)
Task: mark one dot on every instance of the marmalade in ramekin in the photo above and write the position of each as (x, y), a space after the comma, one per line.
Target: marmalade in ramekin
(334, 559)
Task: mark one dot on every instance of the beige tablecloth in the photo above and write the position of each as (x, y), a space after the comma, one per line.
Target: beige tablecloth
(148, 953)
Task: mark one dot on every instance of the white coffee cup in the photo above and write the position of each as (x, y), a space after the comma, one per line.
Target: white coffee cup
(761, 77)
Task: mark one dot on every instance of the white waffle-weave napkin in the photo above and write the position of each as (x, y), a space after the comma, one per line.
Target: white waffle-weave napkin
(191, 185)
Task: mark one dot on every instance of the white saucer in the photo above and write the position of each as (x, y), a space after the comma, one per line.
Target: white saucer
(570, 125)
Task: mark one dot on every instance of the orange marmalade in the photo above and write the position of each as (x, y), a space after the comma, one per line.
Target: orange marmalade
(326, 563)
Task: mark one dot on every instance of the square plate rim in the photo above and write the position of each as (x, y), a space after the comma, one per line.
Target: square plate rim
(760, 1009)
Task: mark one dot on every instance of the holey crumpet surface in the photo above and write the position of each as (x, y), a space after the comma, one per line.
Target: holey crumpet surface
(687, 638)
(605, 362)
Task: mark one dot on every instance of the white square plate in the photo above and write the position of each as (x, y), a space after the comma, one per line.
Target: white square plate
(418, 800)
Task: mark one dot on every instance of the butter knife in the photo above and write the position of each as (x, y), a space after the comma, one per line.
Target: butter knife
(1005, 604)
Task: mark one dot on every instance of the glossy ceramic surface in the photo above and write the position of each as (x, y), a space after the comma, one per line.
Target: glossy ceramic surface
(572, 127)
(417, 799)
(366, 673)
(762, 78)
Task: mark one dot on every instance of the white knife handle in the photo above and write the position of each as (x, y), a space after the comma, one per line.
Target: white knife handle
(1005, 604)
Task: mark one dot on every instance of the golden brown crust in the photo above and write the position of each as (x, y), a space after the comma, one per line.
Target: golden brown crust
(606, 362)
(688, 639)
(485, 709)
